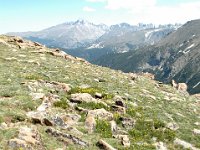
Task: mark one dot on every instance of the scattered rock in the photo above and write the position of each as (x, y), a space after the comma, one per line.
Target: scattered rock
(196, 131)
(197, 123)
(90, 123)
(113, 125)
(133, 76)
(75, 131)
(128, 123)
(185, 144)
(105, 145)
(148, 75)
(58, 134)
(44, 106)
(160, 146)
(101, 114)
(173, 126)
(179, 86)
(47, 122)
(36, 96)
(82, 97)
(124, 140)
(119, 109)
(3, 126)
(27, 138)
(98, 95)
(36, 117)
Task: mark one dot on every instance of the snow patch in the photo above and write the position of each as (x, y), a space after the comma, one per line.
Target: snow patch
(148, 34)
(96, 46)
(196, 85)
(190, 46)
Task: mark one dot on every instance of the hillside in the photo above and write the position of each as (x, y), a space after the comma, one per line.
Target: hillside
(174, 57)
(51, 100)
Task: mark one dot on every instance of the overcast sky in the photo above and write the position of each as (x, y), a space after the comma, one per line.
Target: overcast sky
(32, 15)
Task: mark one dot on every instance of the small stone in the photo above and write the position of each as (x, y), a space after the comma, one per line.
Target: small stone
(90, 123)
(105, 145)
(113, 125)
(124, 140)
(185, 144)
(47, 122)
(173, 126)
(128, 123)
(197, 123)
(36, 96)
(196, 131)
(160, 146)
(119, 109)
(98, 95)
(120, 103)
(3, 125)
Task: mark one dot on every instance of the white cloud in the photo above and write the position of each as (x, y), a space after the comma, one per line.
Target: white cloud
(129, 4)
(88, 9)
(166, 14)
(148, 11)
(96, 0)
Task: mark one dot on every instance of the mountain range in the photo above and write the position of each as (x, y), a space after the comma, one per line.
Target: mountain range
(177, 56)
(168, 51)
(87, 40)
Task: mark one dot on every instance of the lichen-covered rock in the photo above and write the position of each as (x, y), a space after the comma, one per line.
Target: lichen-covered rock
(173, 126)
(90, 123)
(105, 145)
(185, 144)
(82, 97)
(124, 140)
(101, 114)
(28, 138)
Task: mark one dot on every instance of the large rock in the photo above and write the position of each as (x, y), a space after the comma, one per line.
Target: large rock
(101, 114)
(60, 135)
(28, 138)
(82, 97)
(105, 145)
(185, 144)
(36, 96)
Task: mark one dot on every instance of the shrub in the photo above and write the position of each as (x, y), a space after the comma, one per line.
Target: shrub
(62, 104)
(152, 128)
(103, 127)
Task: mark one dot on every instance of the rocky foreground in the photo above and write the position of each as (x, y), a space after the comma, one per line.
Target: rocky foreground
(51, 100)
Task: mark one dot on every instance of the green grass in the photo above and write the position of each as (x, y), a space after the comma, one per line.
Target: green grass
(62, 104)
(93, 105)
(103, 127)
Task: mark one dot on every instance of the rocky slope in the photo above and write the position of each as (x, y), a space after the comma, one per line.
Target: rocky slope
(174, 57)
(51, 100)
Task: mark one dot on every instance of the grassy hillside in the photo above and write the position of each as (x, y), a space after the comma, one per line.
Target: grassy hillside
(35, 81)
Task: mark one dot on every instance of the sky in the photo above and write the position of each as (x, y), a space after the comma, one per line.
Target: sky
(35, 15)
